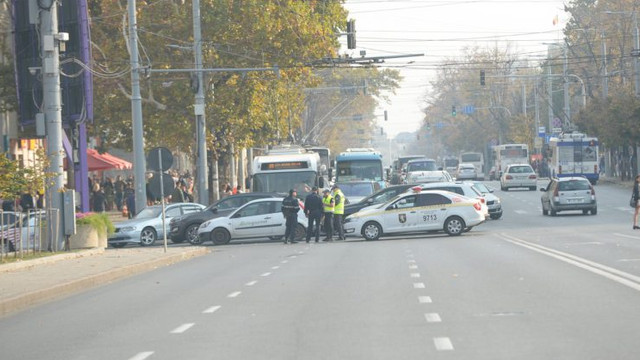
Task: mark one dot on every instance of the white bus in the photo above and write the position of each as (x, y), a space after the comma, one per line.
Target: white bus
(283, 171)
(507, 154)
(475, 158)
(574, 154)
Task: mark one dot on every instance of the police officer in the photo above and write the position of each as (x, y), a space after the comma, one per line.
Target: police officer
(313, 212)
(290, 208)
(338, 211)
(327, 212)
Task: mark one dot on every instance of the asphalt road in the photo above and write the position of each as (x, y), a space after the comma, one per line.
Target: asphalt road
(524, 287)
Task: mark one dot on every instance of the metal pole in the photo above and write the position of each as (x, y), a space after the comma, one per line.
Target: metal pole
(199, 108)
(164, 215)
(605, 80)
(53, 111)
(567, 106)
(550, 96)
(139, 165)
(636, 67)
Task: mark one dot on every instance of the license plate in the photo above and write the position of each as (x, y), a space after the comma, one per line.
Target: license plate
(573, 201)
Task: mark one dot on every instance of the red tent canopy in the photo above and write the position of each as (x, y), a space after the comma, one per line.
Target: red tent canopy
(97, 161)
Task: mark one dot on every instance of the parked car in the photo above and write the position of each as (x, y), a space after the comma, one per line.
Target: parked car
(466, 171)
(569, 193)
(518, 176)
(493, 202)
(185, 227)
(462, 188)
(355, 191)
(425, 170)
(260, 218)
(22, 229)
(417, 211)
(379, 197)
(146, 227)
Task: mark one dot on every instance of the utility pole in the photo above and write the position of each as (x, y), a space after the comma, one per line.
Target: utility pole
(50, 49)
(605, 80)
(139, 162)
(202, 187)
(550, 96)
(565, 87)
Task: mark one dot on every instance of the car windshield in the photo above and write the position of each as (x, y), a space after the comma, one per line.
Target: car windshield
(149, 212)
(574, 185)
(422, 166)
(520, 169)
(482, 188)
(356, 189)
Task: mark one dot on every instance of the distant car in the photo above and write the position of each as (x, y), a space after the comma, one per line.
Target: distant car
(518, 176)
(425, 170)
(569, 193)
(146, 227)
(260, 218)
(493, 202)
(355, 191)
(462, 188)
(185, 227)
(417, 211)
(466, 171)
(379, 197)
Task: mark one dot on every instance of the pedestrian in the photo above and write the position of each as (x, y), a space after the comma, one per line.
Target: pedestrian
(178, 194)
(109, 193)
(239, 189)
(228, 191)
(338, 211)
(99, 200)
(119, 186)
(327, 213)
(130, 201)
(313, 211)
(636, 199)
(290, 208)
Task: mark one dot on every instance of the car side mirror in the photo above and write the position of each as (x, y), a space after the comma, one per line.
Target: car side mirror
(214, 210)
(236, 215)
(369, 201)
(543, 189)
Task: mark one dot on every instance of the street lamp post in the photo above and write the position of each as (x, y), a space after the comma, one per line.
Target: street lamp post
(635, 51)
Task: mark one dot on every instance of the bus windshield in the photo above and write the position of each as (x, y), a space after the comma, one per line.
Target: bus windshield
(282, 182)
(359, 170)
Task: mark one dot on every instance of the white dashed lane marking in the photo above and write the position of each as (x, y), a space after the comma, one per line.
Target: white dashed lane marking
(265, 274)
(411, 261)
(424, 299)
(142, 355)
(418, 285)
(284, 261)
(413, 267)
(251, 283)
(415, 275)
(432, 317)
(212, 309)
(234, 294)
(442, 343)
(182, 328)
(275, 268)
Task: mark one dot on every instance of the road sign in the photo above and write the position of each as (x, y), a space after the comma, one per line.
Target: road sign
(154, 157)
(161, 185)
(541, 131)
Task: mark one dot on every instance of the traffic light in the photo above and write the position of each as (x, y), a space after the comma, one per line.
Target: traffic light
(385, 116)
(482, 77)
(428, 126)
(351, 34)
(453, 110)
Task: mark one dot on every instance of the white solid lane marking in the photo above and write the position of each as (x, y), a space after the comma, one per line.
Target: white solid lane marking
(626, 236)
(413, 267)
(182, 328)
(415, 275)
(275, 267)
(251, 283)
(442, 343)
(628, 260)
(418, 285)
(234, 294)
(212, 309)
(432, 317)
(265, 274)
(142, 355)
(424, 299)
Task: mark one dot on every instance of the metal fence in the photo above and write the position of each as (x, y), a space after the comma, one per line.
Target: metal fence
(29, 232)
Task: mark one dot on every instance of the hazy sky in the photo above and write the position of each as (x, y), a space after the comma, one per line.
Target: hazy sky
(440, 29)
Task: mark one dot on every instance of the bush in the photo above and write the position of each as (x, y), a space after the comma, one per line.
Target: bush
(98, 221)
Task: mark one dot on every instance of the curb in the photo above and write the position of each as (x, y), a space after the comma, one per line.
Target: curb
(59, 291)
(48, 260)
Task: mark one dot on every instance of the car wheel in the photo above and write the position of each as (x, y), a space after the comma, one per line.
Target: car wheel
(594, 211)
(220, 236)
(454, 226)
(191, 233)
(118, 245)
(585, 212)
(495, 216)
(371, 231)
(300, 233)
(148, 236)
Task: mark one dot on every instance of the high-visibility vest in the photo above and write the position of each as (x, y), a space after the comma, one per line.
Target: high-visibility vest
(338, 208)
(326, 201)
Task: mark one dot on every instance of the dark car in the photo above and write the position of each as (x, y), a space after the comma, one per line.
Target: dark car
(186, 227)
(376, 198)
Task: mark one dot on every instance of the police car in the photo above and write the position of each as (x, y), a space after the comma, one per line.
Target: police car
(260, 218)
(417, 211)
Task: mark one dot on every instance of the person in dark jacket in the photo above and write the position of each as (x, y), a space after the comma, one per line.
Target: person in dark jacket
(99, 200)
(636, 198)
(130, 201)
(290, 208)
(313, 212)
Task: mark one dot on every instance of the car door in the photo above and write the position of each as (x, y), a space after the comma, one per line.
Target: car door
(277, 219)
(253, 220)
(548, 194)
(401, 215)
(433, 211)
(169, 213)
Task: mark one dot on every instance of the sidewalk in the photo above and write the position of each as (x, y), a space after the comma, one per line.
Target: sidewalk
(28, 283)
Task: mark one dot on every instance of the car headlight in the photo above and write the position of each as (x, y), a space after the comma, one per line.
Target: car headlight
(349, 219)
(205, 224)
(127, 228)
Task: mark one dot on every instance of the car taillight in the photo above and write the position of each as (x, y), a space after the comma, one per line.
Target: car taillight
(482, 200)
(477, 206)
(532, 177)
(509, 177)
